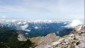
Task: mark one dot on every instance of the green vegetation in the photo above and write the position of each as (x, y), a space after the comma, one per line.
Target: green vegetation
(8, 39)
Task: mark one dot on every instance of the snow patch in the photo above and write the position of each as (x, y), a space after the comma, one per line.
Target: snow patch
(36, 27)
(24, 27)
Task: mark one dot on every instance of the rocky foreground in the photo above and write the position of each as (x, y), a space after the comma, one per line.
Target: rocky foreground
(76, 39)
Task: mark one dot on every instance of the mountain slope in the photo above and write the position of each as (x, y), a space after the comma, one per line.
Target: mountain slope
(8, 39)
(76, 39)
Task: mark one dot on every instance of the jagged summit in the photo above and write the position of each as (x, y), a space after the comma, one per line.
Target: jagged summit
(80, 28)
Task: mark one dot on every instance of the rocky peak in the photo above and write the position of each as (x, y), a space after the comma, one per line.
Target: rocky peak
(80, 28)
(76, 39)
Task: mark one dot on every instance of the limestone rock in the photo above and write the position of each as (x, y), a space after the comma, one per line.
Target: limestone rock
(21, 37)
(76, 39)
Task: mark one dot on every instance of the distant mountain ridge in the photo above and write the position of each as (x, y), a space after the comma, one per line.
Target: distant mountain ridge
(40, 27)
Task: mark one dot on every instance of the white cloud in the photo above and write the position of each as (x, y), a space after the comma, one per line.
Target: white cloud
(74, 23)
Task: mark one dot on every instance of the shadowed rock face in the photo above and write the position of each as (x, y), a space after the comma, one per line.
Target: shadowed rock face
(76, 39)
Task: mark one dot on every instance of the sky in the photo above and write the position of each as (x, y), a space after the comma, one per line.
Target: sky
(42, 9)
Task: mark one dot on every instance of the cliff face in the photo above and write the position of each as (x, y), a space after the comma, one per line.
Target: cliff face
(76, 39)
(80, 35)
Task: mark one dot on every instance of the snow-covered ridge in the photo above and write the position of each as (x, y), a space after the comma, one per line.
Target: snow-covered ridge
(24, 20)
(37, 24)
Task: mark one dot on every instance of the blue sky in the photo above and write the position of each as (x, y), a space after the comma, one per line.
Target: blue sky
(42, 9)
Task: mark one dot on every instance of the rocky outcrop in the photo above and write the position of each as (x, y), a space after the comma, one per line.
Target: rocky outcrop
(42, 41)
(76, 39)
(21, 37)
(80, 34)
